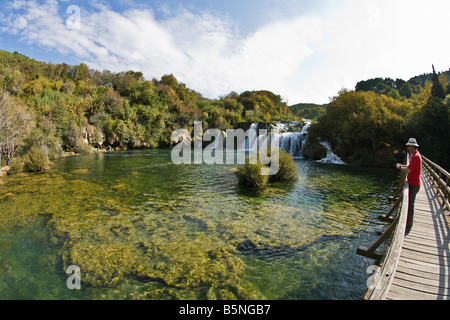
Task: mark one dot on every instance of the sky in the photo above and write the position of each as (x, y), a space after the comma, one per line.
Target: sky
(305, 51)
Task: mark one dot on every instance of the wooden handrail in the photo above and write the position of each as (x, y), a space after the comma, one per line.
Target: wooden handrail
(384, 275)
(440, 179)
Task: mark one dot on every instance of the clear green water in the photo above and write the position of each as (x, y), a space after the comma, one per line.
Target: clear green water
(140, 227)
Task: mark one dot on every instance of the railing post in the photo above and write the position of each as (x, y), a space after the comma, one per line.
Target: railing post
(388, 261)
(372, 251)
(387, 218)
(446, 198)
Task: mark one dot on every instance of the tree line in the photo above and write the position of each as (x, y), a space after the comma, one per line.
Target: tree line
(371, 124)
(60, 108)
(56, 108)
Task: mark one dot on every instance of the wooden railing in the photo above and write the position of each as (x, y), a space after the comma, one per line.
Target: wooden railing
(387, 260)
(440, 179)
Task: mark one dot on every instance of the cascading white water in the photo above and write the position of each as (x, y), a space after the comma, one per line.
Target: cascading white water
(331, 157)
(251, 142)
(293, 142)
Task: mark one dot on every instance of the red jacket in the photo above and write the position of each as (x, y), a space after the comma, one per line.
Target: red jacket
(416, 169)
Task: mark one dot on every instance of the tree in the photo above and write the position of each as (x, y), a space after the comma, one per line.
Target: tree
(437, 90)
(443, 80)
(433, 131)
(378, 85)
(399, 83)
(125, 83)
(15, 123)
(81, 72)
(36, 160)
(170, 80)
(362, 125)
(405, 90)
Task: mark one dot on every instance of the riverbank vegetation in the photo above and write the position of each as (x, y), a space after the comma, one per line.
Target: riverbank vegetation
(251, 175)
(59, 108)
(370, 125)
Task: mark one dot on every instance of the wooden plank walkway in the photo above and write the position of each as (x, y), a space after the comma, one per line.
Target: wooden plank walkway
(423, 270)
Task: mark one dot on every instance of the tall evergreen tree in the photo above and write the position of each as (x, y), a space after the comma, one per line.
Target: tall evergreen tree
(437, 89)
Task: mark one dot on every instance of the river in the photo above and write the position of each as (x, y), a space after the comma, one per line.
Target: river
(140, 227)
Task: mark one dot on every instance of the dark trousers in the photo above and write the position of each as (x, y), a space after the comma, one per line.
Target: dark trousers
(413, 190)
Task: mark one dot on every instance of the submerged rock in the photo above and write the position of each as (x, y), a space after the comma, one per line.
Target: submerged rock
(262, 249)
(200, 224)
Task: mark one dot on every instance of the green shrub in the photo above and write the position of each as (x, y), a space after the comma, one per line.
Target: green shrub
(249, 175)
(287, 168)
(83, 148)
(314, 150)
(36, 160)
(16, 166)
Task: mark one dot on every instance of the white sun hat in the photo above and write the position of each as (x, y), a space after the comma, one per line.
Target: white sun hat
(412, 142)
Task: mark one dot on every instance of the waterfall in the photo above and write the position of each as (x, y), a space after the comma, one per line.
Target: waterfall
(331, 157)
(293, 142)
(251, 142)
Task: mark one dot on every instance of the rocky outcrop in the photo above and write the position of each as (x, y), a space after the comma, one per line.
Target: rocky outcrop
(4, 171)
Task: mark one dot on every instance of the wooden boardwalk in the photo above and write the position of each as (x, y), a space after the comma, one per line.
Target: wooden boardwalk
(414, 266)
(423, 269)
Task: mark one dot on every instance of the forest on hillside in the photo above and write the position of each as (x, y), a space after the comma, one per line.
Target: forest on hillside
(49, 109)
(308, 110)
(60, 108)
(370, 125)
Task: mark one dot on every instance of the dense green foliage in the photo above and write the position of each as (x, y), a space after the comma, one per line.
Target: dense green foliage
(75, 109)
(16, 166)
(394, 89)
(35, 160)
(250, 175)
(308, 110)
(428, 77)
(59, 108)
(314, 150)
(370, 126)
(287, 168)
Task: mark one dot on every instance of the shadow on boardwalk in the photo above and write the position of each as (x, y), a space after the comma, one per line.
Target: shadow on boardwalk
(423, 268)
(442, 234)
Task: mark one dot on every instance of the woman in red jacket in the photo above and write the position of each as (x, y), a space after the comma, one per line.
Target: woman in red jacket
(413, 171)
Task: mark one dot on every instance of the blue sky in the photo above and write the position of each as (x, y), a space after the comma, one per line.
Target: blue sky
(306, 51)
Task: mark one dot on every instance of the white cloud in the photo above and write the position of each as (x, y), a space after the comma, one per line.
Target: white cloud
(204, 51)
(20, 23)
(304, 59)
(382, 38)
